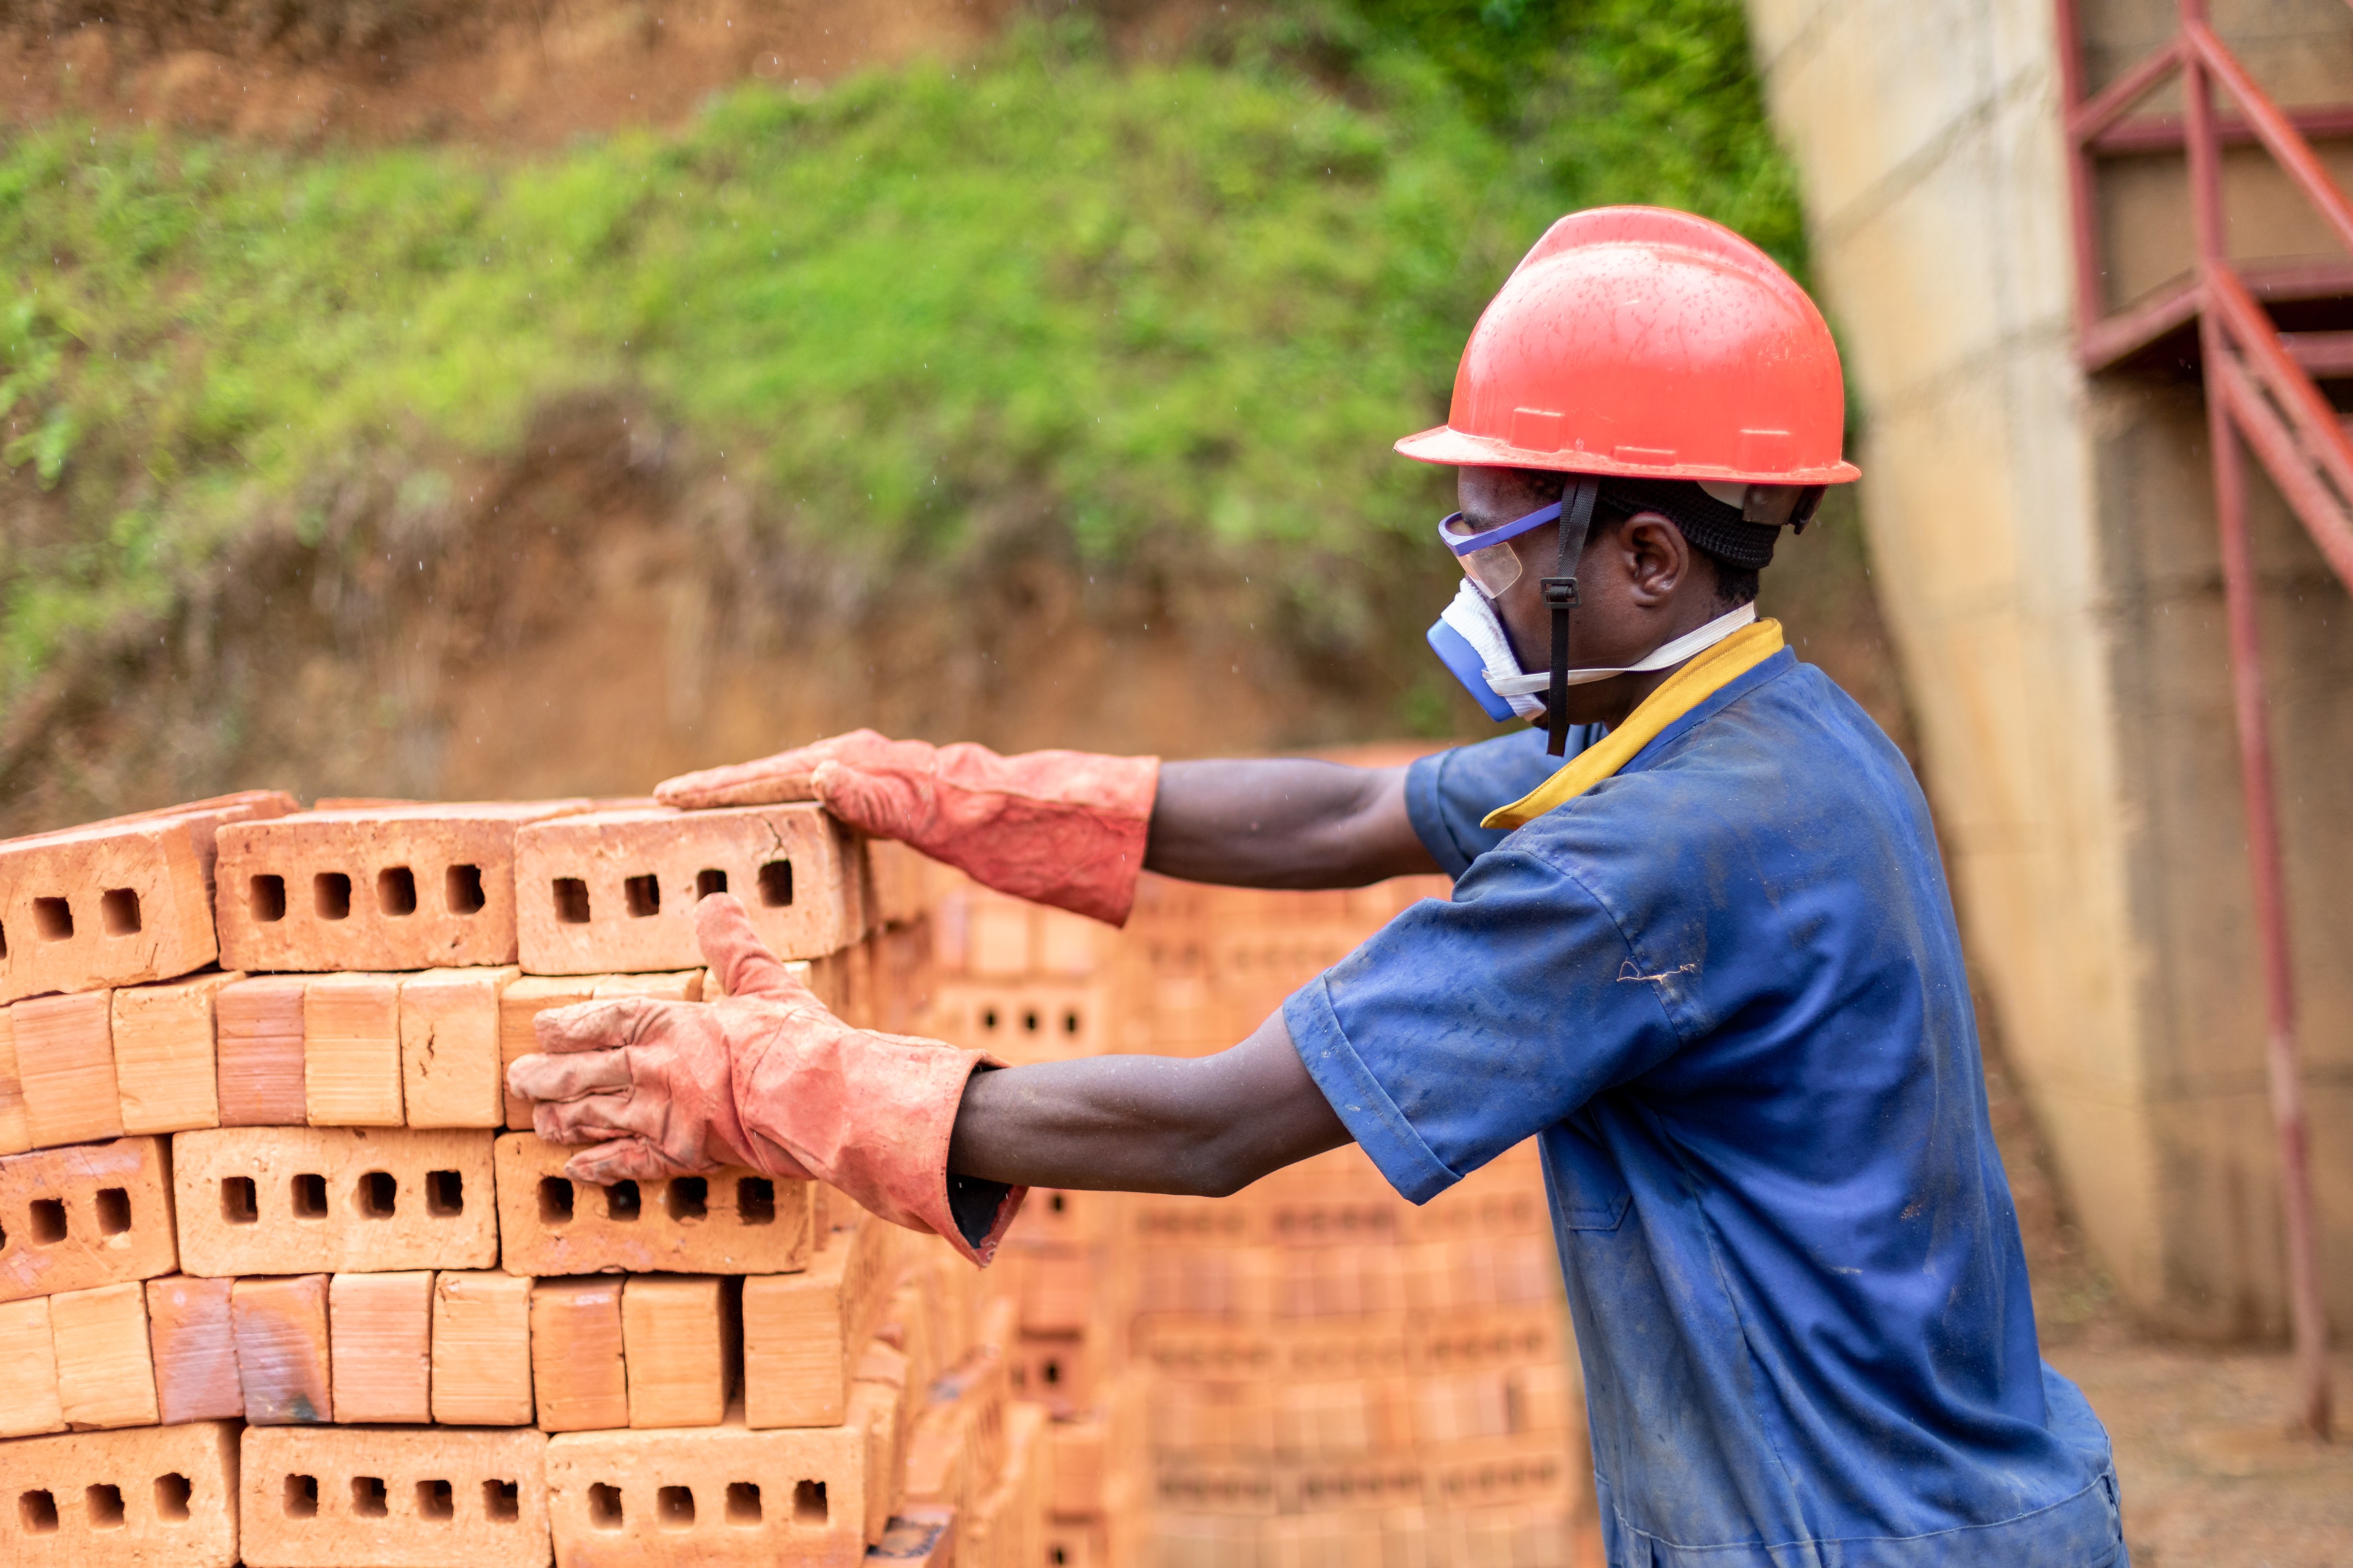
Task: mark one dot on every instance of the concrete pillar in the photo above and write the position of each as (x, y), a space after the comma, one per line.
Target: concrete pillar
(2045, 553)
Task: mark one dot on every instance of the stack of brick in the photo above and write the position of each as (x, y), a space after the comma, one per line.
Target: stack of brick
(1320, 1372)
(286, 1279)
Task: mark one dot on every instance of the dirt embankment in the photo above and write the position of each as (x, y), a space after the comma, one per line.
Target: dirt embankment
(513, 73)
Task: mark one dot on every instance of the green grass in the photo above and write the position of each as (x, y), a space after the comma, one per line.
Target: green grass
(1190, 304)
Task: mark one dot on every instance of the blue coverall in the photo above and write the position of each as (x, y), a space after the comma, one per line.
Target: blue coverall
(1724, 989)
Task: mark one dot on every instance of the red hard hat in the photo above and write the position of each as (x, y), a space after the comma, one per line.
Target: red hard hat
(1645, 341)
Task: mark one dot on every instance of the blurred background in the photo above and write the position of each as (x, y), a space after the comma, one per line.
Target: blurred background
(402, 398)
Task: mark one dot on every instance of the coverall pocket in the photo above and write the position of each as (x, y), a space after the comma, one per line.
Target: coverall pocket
(1588, 1191)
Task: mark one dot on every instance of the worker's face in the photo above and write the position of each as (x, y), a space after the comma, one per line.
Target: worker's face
(1639, 585)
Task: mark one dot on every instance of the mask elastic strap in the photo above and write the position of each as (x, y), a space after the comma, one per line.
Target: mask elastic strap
(1560, 592)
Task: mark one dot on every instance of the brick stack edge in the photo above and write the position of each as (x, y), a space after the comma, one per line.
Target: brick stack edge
(286, 1279)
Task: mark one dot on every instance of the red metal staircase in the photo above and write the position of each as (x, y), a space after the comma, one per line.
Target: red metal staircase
(2261, 336)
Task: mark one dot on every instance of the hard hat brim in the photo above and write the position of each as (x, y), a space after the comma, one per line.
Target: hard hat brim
(1447, 447)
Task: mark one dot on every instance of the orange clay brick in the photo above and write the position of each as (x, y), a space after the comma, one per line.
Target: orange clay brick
(105, 1374)
(257, 1051)
(450, 1065)
(282, 1349)
(16, 1132)
(137, 1499)
(874, 1408)
(285, 1200)
(709, 1495)
(615, 890)
(680, 1334)
(163, 1064)
(1024, 1022)
(525, 999)
(1082, 1464)
(64, 1063)
(28, 1371)
(115, 903)
(88, 1214)
(802, 1331)
(579, 1377)
(730, 1221)
(194, 1338)
(884, 1369)
(374, 888)
(1057, 1371)
(380, 1334)
(481, 1349)
(393, 1497)
(351, 1051)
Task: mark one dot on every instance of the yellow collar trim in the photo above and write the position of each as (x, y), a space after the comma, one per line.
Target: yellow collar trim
(1707, 672)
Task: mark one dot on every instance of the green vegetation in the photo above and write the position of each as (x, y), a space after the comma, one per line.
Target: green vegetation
(1191, 303)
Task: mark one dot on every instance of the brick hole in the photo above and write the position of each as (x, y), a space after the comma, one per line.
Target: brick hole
(367, 1497)
(623, 1202)
(38, 1512)
(302, 1497)
(502, 1501)
(53, 920)
(571, 900)
(555, 1201)
(756, 1200)
(1050, 1371)
(687, 1197)
(265, 898)
(444, 1193)
(461, 890)
(1057, 1556)
(104, 1501)
(605, 1506)
(1071, 1021)
(1057, 1204)
(808, 1503)
(376, 1195)
(310, 1193)
(172, 1495)
(4, 940)
(330, 896)
(395, 891)
(48, 1221)
(742, 1503)
(706, 882)
(776, 884)
(118, 911)
(1029, 1021)
(642, 895)
(674, 1508)
(113, 1206)
(989, 1020)
(435, 1500)
(236, 1201)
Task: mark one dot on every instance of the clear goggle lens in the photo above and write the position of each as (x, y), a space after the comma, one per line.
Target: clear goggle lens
(1487, 558)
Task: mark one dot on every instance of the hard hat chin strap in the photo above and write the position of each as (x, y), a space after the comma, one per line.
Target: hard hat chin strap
(1560, 592)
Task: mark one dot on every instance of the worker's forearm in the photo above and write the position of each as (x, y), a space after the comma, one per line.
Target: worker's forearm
(1282, 824)
(1207, 1126)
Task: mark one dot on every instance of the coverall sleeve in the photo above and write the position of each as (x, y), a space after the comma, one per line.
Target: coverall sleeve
(1447, 793)
(1463, 1028)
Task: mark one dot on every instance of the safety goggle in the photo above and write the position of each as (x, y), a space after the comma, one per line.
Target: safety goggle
(1487, 558)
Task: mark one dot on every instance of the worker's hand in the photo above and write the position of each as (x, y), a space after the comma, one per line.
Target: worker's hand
(767, 1077)
(650, 1084)
(1065, 829)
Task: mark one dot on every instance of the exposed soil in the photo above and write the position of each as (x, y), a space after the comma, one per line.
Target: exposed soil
(508, 73)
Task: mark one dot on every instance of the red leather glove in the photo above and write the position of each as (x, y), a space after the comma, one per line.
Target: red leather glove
(1065, 829)
(766, 1078)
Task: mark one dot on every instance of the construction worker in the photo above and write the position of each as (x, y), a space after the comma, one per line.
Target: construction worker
(1700, 947)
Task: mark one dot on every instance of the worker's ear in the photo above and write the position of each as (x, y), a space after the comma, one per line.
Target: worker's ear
(1658, 558)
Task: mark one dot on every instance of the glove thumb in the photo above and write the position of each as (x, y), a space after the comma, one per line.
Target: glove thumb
(736, 954)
